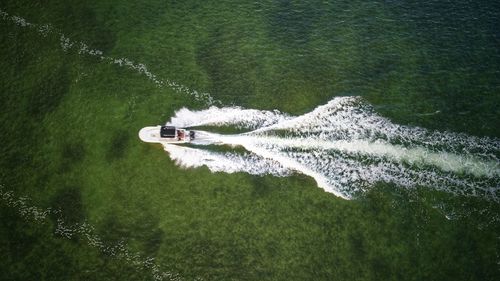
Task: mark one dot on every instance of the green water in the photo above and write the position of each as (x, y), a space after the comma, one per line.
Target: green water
(69, 126)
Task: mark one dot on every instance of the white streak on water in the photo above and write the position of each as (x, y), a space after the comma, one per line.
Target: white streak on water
(82, 48)
(225, 162)
(228, 116)
(346, 147)
(84, 231)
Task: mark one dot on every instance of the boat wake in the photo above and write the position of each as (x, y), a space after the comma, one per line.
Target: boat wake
(345, 146)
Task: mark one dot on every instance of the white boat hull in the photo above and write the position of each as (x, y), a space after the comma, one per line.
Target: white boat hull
(152, 135)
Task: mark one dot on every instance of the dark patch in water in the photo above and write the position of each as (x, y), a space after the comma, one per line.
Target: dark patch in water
(261, 188)
(71, 154)
(85, 21)
(49, 92)
(69, 201)
(118, 146)
(17, 242)
(21, 52)
(153, 241)
(113, 230)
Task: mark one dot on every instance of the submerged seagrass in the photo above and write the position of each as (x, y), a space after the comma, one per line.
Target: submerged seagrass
(79, 79)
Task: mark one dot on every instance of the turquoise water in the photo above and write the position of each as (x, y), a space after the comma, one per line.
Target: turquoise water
(78, 81)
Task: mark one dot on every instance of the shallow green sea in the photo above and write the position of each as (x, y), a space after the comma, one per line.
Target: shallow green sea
(69, 123)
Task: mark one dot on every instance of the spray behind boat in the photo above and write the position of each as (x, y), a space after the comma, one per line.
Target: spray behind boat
(344, 145)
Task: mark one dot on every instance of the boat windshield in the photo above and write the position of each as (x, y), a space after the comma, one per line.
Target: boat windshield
(167, 132)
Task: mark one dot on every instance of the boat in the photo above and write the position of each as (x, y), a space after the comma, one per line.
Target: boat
(166, 134)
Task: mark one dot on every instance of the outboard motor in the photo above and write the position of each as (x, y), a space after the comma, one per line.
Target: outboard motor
(191, 135)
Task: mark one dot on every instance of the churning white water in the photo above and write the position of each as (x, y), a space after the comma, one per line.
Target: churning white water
(345, 146)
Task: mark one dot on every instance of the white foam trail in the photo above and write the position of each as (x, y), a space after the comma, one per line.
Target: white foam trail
(352, 118)
(225, 162)
(236, 116)
(346, 147)
(413, 156)
(84, 231)
(82, 48)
